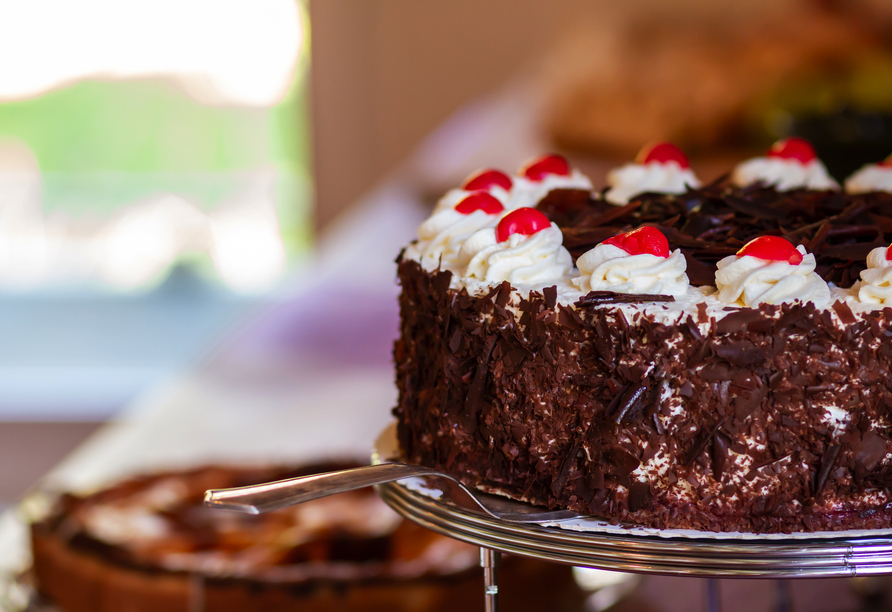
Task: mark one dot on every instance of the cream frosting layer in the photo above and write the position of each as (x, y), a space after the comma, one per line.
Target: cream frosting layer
(876, 280)
(656, 177)
(528, 260)
(667, 313)
(609, 268)
(750, 281)
(441, 237)
(783, 174)
(524, 193)
(871, 177)
(466, 245)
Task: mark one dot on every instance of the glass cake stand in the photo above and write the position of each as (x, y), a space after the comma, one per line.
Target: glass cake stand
(653, 553)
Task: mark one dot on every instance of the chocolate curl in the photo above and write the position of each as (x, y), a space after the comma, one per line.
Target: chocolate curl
(831, 454)
(597, 298)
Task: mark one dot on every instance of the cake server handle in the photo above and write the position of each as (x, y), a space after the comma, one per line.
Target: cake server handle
(256, 499)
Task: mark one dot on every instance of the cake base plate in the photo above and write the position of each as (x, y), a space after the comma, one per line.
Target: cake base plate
(667, 552)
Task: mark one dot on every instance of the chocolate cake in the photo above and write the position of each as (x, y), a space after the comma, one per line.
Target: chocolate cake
(149, 544)
(742, 382)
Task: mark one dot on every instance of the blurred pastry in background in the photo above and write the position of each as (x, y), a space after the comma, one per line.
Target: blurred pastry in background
(148, 544)
(729, 81)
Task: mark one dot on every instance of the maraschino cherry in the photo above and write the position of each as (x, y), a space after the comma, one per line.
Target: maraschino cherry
(479, 200)
(797, 149)
(772, 248)
(524, 221)
(886, 163)
(538, 169)
(487, 179)
(643, 240)
(661, 153)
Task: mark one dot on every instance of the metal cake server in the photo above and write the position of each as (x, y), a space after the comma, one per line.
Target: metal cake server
(270, 496)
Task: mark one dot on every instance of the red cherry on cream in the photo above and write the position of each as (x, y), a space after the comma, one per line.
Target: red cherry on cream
(798, 149)
(886, 163)
(487, 179)
(525, 221)
(772, 248)
(661, 153)
(538, 169)
(642, 240)
(479, 200)
(889, 253)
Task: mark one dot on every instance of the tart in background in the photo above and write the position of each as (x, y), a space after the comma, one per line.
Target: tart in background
(148, 544)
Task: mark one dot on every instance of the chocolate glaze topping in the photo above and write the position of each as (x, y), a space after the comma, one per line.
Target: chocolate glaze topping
(715, 221)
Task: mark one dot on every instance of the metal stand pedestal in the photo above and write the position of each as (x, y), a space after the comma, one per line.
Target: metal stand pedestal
(489, 561)
(706, 557)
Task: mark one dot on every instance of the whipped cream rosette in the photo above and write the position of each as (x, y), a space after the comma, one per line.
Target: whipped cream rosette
(659, 168)
(540, 176)
(789, 164)
(871, 178)
(636, 262)
(770, 270)
(441, 236)
(876, 280)
(525, 249)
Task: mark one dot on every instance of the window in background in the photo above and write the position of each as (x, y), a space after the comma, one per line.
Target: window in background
(154, 175)
(137, 135)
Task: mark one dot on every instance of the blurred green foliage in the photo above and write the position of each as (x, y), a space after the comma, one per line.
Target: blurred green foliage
(102, 145)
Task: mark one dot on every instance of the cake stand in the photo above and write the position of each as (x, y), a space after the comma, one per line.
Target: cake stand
(753, 557)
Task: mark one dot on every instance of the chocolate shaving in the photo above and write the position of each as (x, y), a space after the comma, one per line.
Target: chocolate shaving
(632, 404)
(703, 438)
(738, 320)
(844, 313)
(566, 464)
(640, 496)
(612, 214)
(622, 463)
(818, 239)
(455, 341)
(720, 445)
(441, 280)
(504, 294)
(831, 454)
(743, 353)
(870, 450)
(597, 298)
(702, 317)
(699, 273)
(550, 294)
(474, 401)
